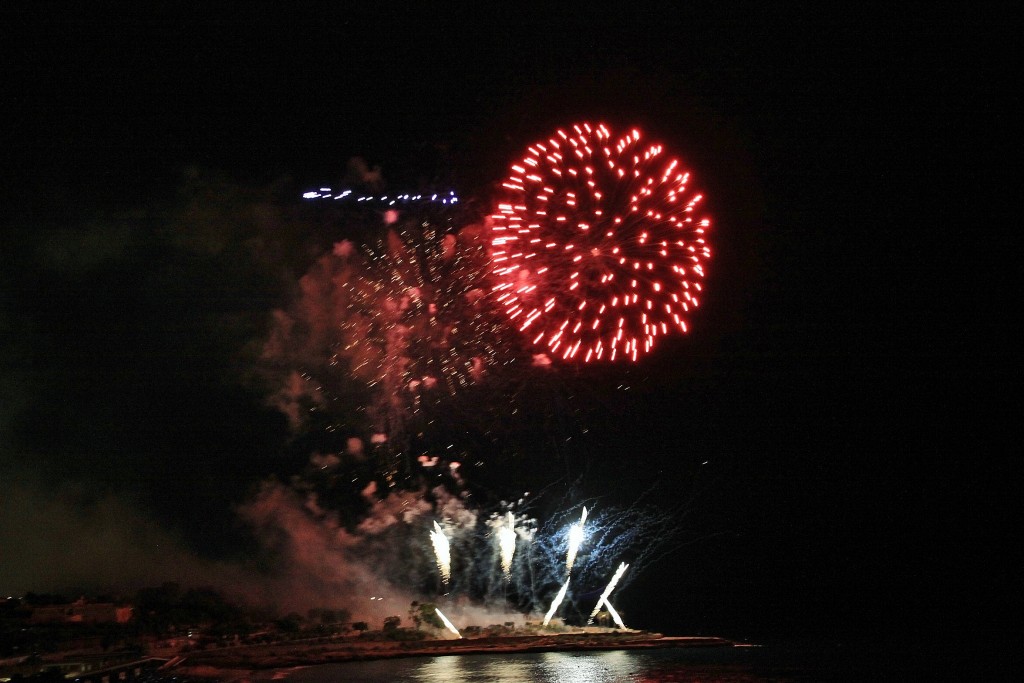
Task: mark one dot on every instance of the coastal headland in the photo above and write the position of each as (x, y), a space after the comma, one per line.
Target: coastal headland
(246, 663)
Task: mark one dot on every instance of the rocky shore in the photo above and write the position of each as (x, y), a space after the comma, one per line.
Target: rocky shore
(261, 661)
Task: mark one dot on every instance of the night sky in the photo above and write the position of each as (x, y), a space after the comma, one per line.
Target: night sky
(130, 318)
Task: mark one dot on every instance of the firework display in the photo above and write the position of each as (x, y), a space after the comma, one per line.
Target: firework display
(415, 311)
(614, 615)
(594, 251)
(507, 545)
(556, 603)
(603, 600)
(442, 553)
(575, 540)
(536, 583)
(598, 245)
(325, 193)
(415, 328)
(447, 624)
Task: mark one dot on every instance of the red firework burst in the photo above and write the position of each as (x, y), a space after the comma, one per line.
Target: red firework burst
(597, 245)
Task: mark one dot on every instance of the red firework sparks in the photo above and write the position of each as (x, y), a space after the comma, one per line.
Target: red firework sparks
(597, 245)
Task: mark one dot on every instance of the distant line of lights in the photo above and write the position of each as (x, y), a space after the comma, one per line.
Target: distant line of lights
(390, 200)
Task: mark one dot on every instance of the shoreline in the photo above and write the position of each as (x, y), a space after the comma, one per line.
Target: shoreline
(270, 662)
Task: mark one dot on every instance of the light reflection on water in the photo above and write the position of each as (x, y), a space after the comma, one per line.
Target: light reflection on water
(722, 665)
(548, 666)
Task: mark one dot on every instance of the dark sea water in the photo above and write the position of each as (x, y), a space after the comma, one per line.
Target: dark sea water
(721, 665)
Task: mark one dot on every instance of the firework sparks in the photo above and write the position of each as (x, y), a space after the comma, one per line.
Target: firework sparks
(615, 615)
(442, 552)
(507, 545)
(575, 540)
(416, 328)
(608, 591)
(556, 602)
(447, 623)
(414, 316)
(597, 245)
(325, 193)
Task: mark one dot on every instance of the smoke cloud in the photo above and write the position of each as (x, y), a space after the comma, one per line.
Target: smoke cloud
(73, 540)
